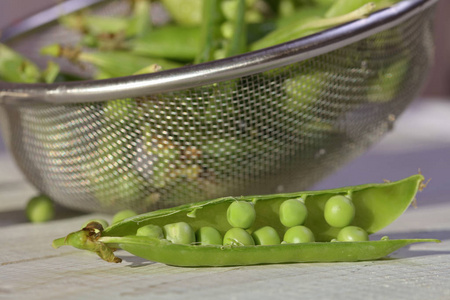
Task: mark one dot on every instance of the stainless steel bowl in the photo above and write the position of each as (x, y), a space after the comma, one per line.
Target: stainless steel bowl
(278, 119)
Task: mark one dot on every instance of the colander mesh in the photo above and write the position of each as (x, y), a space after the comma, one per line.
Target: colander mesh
(280, 130)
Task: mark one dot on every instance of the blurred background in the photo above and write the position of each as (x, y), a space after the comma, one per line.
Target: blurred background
(421, 137)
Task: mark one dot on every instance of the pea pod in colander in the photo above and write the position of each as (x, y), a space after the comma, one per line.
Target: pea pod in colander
(341, 7)
(309, 26)
(376, 206)
(16, 68)
(223, 30)
(107, 62)
(180, 43)
(110, 32)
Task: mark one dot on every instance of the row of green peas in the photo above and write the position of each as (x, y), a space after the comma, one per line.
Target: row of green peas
(339, 212)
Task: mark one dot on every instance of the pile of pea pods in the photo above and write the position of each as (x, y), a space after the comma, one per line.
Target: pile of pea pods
(315, 226)
(196, 31)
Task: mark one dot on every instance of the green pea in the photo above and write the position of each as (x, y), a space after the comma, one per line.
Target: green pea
(241, 214)
(298, 234)
(122, 215)
(266, 236)
(304, 89)
(153, 231)
(40, 209)
(293, 212)
(119, 110)
(238, 237)
(339, 211)
(179, 233)
(102, 222)
(389, 81)
(208, 236)
(352, 234)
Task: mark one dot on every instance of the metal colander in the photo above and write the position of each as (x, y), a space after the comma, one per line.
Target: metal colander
(274, 120)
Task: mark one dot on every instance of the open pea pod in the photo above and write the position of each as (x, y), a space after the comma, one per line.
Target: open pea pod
(376, 206)
(195, 256)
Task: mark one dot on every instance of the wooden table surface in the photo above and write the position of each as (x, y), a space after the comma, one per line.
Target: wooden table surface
(31, 269)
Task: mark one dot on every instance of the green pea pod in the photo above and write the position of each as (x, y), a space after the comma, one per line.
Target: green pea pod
(286, 7)
(342, 7)
(132, 63)
(140, 21)
(304, 13)
(376, 206)
(256, 31)
(374, 209)
(110, 32)
(194, 256)
(180, 43)
(119, 64)
(236, 43)
(323, 3)
(16, 68)
(185, 12)
(112, 63)
(50, 74)
(212, 19)
(95, 25)
(309, 26)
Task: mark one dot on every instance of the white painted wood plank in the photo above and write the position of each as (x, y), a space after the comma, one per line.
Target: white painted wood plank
(31, 268)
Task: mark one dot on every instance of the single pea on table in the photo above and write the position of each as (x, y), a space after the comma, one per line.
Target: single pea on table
(207, 234)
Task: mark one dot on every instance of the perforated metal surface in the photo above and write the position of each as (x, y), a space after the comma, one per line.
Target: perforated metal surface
(278, 130)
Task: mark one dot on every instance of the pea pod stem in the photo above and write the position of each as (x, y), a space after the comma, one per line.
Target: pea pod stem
(87, 239)
(59, 243)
